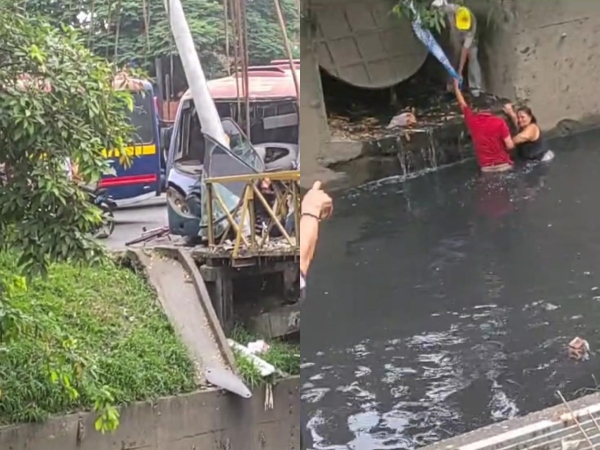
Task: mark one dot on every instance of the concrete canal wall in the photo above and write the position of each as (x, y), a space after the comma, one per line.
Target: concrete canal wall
(208, 420)
(542, 53)
(559, 427)
(545, 53)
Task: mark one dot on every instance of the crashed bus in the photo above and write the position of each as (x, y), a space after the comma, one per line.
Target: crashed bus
(194, 155)
(274, 114)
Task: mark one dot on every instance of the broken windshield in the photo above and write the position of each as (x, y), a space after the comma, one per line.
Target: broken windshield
(241, 146)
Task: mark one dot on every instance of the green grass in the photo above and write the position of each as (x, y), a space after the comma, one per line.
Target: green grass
(100, 321)
(284, 356)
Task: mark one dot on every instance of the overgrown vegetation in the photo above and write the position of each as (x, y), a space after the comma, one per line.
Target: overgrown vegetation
(84, 338)
(284, 356)
(58, 104)
(431, 18)
(496, 11)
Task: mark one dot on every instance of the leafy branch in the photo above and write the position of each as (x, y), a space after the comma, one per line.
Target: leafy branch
(431, 18)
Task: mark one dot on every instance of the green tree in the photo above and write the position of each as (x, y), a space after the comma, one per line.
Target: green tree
(126, 31)
(264, 35)
(431, 17)
(58, 103)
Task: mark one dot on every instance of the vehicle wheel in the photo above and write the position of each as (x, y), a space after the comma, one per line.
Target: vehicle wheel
(108, 223)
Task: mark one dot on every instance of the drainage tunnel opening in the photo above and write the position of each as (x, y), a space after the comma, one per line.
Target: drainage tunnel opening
(358, 113)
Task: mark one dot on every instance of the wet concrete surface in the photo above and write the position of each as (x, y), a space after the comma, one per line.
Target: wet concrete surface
(445, 303)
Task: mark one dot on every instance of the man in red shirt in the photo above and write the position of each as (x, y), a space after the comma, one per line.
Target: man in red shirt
(490, 134)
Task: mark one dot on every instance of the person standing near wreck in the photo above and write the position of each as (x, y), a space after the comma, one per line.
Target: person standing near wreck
(490, 135)
(462, 26)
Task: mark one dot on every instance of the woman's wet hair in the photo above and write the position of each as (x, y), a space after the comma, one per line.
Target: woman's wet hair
(527, 110)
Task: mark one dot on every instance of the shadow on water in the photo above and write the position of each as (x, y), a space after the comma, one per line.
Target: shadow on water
(444, 303)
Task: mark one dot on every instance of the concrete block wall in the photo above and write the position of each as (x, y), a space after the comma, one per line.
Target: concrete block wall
(314, 130)
(546, 54)
(209, 420)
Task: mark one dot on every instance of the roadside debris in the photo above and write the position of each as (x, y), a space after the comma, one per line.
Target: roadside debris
(258, 347)
(363, 129)
(579, 349)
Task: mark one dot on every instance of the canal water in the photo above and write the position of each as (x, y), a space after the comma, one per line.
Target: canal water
(444, 303)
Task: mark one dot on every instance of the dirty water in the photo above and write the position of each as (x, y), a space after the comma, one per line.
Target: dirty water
(445, 303)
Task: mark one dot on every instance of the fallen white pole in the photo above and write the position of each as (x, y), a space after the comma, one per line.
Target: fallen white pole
(205, 106)
(263, 367)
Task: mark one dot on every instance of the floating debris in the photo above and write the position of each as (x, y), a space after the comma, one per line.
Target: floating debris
(579, 349)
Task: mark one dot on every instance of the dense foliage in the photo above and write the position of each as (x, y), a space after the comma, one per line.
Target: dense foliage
(431, 18)
(90, 338)
(493, 11)
(58, 103)
(137, 31)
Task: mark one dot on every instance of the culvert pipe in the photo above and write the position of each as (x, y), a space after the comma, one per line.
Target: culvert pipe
(363, 43)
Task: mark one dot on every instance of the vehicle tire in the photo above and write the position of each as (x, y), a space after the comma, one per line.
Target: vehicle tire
(108, 222)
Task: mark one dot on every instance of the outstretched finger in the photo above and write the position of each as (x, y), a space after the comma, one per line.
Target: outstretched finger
(317, 186)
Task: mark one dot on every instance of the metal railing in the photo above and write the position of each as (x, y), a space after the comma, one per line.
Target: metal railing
(242, 221)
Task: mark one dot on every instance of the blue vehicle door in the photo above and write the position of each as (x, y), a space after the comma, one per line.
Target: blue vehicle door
(142, 178)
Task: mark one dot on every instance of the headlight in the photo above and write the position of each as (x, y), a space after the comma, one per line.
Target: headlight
(176, 200)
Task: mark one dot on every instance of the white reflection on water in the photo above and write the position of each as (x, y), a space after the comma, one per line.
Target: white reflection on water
(400, 394)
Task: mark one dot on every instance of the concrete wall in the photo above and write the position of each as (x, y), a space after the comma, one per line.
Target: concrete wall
(546, 54)
(314, 131)
(209, 420)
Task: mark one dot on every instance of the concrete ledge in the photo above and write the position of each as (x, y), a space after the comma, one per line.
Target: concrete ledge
(208, 420)
(515, 433)
(188, 263)
(419, 149)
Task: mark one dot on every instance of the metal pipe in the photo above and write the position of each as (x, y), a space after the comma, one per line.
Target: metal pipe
(286, 43)
(226, 14)
(235, 19)
(205, 106)
(246, 66)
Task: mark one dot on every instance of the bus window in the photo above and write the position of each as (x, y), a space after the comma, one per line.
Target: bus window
(142, 118)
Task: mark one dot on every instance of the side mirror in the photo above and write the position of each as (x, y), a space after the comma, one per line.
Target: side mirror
(165, 137)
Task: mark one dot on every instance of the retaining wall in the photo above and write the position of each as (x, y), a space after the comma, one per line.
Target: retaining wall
(208, 420)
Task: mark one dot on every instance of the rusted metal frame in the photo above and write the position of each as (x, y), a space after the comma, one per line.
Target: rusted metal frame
(244, 25)
(227, 52)
(286, 44)
(296, 200)
(247, 205)
(280, 202)
(239, 235)
(272, 214)
(288, 175)
(214, 196)
(576, 420)
(238, 42)
(230, 218)
(209, 210)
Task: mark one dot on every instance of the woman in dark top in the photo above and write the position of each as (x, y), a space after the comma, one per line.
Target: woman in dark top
(529, 144)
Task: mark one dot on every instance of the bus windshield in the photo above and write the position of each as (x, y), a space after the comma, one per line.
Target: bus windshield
(141, 118)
